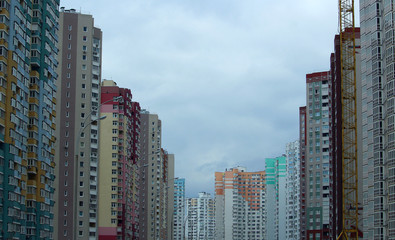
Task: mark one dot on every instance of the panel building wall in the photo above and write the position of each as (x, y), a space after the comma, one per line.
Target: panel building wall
(118, 198)
(28, 61)
(179, 216)
(200, 222)
(77, 105)
(157, 181)
(240, 204)
(378, 148)
(292, 191)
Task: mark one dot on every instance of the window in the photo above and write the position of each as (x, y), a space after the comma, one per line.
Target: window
(69, 36)
(83, 95)
(83, 76)
(84, 48)
(82, 105)
(114, 131)
(84, 38)
(69, 47)
(85, 28)
(83, 66)
(114, 147)
(114, 123)
(69, 56)
(114, 155)
(114, 163)
(83, 85)
(70, 27)
(84, 57)
(68, 75)
(68, 65)
(81, 194)
(115, 106)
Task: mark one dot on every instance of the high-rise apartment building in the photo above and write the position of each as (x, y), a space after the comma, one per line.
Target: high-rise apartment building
(317, 160)
(275, 197)
(336, 133)
(78, 102)
(157, 181)
(378, 118)
(302, 180)
(292, 191)
(321, 154)
(179, 209)
(200, 222)
(240, 208)
(119, 139)
(28, 61)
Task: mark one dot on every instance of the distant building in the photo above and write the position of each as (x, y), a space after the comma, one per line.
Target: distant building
(240, 207)
(200, 217)
(179, 209)
(78, 99)
(157, 181)
(275, 198)
(292, 191)
(119, 138)
(302, 180)
(317, 159)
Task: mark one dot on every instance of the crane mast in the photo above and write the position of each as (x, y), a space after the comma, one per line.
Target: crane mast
(349, 121)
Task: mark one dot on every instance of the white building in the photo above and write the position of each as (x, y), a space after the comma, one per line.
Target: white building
(201, 217)
(240, 204)
(292, 225)
(179, 209)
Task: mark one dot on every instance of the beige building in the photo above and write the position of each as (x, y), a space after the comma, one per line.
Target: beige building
(77, 128)
(119, 155)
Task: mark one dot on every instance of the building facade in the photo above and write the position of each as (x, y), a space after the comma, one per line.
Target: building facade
(336, 133)
(240, 207)
(275, 197)
(118, 196)
(318, 183)
(28, 61)
(302, 181)
(179, 216)
(157, 181)
(378, 148)
(292, 191)
(78, 100)
(200, 221)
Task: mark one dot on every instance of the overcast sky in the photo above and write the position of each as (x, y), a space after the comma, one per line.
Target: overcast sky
(226, 77)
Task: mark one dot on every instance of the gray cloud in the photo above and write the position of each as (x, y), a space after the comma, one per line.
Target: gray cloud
(226, 77)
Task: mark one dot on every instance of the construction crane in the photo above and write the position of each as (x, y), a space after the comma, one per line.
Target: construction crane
(349, 121)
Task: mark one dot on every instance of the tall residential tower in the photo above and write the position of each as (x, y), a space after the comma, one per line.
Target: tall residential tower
(157, 181)
(200, 222)
(77, 129)
(240, 207)
(378, 117)
(179, 209)
(119, 138)
(28, 61)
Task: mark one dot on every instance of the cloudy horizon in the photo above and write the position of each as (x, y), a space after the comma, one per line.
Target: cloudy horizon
(226, 77)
